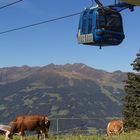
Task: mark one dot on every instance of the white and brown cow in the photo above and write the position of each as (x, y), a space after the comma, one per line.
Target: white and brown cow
(36, 123)
(114, 127)
(5, 130)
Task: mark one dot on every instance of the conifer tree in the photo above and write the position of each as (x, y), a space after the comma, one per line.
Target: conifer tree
(131, 110)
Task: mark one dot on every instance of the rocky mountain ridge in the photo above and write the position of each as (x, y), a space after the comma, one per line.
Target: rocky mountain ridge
(70, 90)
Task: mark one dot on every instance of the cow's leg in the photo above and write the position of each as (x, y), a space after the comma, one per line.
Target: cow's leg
(109, 134)
(23, 137)
(44, 136)
(39, 134)
(43, 132)
(22, 133)
(6, 135)
(47, 131)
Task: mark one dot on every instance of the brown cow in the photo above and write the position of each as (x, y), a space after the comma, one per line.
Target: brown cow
(36, 123)
(114, 127)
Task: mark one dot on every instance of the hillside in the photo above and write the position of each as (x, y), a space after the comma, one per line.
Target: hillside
(70, 90)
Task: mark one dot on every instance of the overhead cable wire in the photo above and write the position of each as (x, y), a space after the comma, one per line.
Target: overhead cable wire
(92, 3)
(10, 4)
(39, 23)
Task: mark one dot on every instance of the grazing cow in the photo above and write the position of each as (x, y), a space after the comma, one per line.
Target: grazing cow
(5, 130)
(36, 123)
(114, 127)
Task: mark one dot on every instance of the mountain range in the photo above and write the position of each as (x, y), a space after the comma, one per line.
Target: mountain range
(60, 91)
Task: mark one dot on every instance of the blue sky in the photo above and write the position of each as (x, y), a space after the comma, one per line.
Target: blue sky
(56, 42)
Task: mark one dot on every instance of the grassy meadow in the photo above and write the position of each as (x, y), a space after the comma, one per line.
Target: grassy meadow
(135, 135)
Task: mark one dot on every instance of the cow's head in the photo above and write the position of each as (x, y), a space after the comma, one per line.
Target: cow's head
(47, 124)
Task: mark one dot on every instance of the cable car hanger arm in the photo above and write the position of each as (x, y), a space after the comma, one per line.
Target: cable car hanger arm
(121, 6)
(99, 3)
(117, 7)
(132, 2)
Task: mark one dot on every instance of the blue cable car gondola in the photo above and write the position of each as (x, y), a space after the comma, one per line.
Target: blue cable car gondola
(100, 27)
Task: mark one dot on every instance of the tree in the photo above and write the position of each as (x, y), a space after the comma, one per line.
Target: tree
(131, 110)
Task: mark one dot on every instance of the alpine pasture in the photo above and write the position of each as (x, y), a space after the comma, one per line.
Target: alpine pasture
(134, 135)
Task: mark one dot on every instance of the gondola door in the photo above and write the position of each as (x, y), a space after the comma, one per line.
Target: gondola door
(85, 31)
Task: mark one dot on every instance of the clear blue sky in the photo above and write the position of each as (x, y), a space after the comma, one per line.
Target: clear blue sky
(56, 42)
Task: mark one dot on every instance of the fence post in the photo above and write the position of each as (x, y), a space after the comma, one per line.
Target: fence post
(57, 127)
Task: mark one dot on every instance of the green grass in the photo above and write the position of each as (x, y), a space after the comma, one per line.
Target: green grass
(135, 135)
